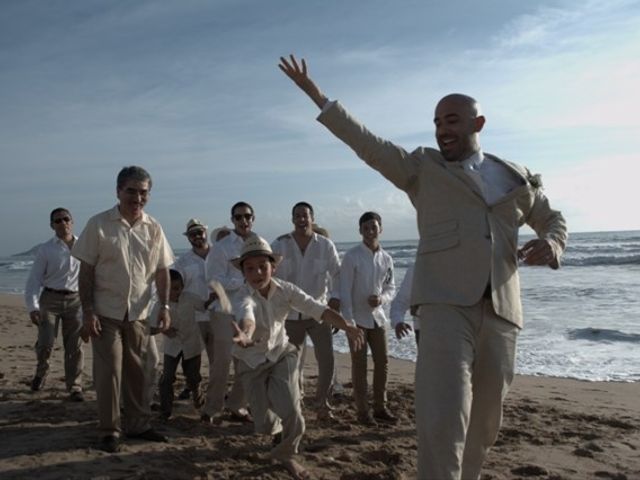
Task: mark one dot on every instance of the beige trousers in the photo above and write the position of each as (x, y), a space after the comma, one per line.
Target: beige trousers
(58, 308)
(217, 335)
(119, 357)
(274, 398)
(464, 368)
(322, 338)
(376, 339)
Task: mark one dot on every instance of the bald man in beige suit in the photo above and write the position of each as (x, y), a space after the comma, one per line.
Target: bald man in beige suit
(469, 206)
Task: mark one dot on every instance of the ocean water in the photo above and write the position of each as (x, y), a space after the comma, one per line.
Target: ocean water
(582, 321)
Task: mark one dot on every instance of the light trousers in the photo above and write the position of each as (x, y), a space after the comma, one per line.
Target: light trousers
(322, 338)
(274, 398)
(464, 368)
(55, 309)
(119, 357)
(375, 339)
(217, 335)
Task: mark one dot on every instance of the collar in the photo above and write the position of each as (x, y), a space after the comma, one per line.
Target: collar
(57, 239)
(273, 286)
(115, 215)
(474, 162)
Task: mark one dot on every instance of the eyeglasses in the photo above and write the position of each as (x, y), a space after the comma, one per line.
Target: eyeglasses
(136, 191)
(195, 233)
(62, 219)
(239, 216)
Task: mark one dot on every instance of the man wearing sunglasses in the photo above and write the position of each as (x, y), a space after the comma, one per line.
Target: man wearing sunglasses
(51, 295)
(227, 247)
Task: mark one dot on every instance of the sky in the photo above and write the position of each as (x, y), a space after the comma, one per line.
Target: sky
(191, 91)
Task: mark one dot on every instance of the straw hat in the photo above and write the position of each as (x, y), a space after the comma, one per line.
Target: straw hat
(194, 223)
(255, 246)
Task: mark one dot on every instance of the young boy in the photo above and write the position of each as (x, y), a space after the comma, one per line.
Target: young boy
(182, 343)
(366, 284)
(267, 361)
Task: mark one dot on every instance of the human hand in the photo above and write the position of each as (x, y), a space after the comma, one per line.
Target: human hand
(298, 73)
(241, 338)
(538, 252)
(35, 317)
(334, 304)
(355, 336)
(164, 320)
(91, 326)
(374, 301)
(402, 330)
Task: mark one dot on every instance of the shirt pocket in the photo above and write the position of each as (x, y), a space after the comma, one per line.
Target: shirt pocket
(440, 236)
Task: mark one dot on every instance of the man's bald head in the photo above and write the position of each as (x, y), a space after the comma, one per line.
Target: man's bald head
(458, 120)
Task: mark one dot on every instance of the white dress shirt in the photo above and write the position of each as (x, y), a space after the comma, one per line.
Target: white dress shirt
(315, 271)
(53, 267)
(402, 301)
(269, 315)
(192, 267)
(188, 339)
(218, 265)
(494, 178)
(365, 273)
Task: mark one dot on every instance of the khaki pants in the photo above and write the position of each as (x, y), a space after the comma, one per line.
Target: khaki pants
(217, 335)
(56, 308)
(274, 398)
(322, 338)
(464, 369)
(119, 356)
(376, 339)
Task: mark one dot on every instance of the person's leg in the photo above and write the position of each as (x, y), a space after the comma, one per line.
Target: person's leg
(222, 329)
(170, 366)
(254, 382)
(284, 400)
(322, 339)
(493, 372)
(359, 376)
(152, 360)
(107, 372)
(71, 318)
(379, 354)
(206, 332)
(443, 387)
(135, 342)
(191, 369)
(297, 333)
(49, 305)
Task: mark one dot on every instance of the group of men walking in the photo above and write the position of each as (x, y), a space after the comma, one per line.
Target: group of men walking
(465, 288)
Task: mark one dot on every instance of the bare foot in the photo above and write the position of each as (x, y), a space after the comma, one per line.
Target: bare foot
(296, 470)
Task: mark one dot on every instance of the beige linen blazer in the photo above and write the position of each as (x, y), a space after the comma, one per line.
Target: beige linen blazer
(465, 243)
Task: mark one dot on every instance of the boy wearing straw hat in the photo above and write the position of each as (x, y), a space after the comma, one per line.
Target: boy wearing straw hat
(268, 362)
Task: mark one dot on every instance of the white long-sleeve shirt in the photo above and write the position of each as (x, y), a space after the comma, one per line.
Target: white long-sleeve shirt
(269, 315)
(53, 267)
(316, 271)
(218, 265)
(192, 267)
(188, 339)
(365, 273)
(402, 301)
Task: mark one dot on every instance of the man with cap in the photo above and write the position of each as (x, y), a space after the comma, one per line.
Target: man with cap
(51, 295)
(267, 361)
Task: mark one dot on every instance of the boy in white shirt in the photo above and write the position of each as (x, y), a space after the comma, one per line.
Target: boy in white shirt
(267, 361)
(366, 284)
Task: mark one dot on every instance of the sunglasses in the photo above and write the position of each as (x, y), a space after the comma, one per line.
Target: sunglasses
(195, 233)
(62, 219)
(239, 216)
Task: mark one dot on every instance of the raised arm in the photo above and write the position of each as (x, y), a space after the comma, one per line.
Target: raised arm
(298, 73)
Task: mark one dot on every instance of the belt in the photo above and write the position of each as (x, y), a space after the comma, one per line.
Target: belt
(60, 292)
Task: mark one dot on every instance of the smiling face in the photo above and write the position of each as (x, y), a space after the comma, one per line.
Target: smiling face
(257, 271)
(197, 238)
(242, 218)
(458, 123)
(302, 219)
(133, 196)
(370, 231)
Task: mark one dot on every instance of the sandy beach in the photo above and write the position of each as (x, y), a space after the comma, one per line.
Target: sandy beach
(553, 429)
